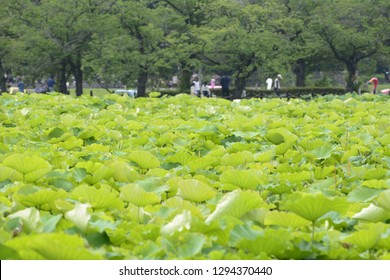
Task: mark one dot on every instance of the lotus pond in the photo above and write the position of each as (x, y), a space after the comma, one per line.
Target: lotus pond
(189, 178)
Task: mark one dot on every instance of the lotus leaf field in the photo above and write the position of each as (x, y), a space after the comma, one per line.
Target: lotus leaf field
(186, 178)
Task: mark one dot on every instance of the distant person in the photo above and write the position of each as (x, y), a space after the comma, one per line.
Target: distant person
(212, 83)
(387, 77)
(375, 82)
(20, 86)
(50, 83)
(41, 88)
(192, 89)
(225, 81)
(269, 83)
(205, 89)
(277, 84)
(196, 83)
(175, 81)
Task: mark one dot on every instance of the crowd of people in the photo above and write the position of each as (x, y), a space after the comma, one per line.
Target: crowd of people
(18, 85)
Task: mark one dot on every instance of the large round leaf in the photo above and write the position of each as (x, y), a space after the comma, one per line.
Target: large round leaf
(97, 198)
(236, 204)
(133, 193)
(285, 219)
(246, 179)
(312, 206)
(144, 159)
(383, 200)
(195, 190)
(32, 168)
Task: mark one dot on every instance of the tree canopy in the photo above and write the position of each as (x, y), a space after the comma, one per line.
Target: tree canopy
(137, 43)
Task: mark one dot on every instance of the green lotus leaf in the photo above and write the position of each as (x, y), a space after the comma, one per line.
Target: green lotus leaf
(377, 184)
(7, 173)
(182, 157)
(144, 159)
(51, 246)
(384, 241)
(275, 137)
(280, 135)
(195, 190)
(363, 194)
(97, 198)
(282, 148)
(185, 247)
(202, 163)
(312, 206)
(6, 253)
(383, 200)
(179, 223)
(285, 219)
(79, 216)
(366, 238)
(41, 197)
(236, 204)
(71, 143)
(56, 132)
(272, 242)
(377, 173)
(266, 156)
(323, 152)
(238, 158)
(246, 179)
(311, 144)
(296, 177)
(122, 172)
(96, 171)
(31, 167)
(372, 213)
(134, 194)
(29, 217)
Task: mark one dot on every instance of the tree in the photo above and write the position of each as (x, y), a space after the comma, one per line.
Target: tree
(65, 30)
(350, 30)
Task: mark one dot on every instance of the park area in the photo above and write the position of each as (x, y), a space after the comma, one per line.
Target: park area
(178, 177)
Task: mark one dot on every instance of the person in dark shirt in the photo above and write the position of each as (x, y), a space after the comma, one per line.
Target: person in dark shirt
(225, 81)
(50, 83)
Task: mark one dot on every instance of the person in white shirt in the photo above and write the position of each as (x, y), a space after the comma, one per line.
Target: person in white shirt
(197, 86)
(269, 83)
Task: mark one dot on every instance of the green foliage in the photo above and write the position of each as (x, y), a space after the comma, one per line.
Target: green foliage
(187, 178)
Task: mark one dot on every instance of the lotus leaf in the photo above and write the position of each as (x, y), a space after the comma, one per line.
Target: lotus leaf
(366, 238)
(236, 159)
(32, 168)
(195, 190)
(313, 206)
(236, 204)
(41, 197)
(51, 246)
(133, 193)
(373, 213)
(79, 216)
(383, 200)
(144, 159)
(246, 179)
(285, 219)
(97, 198)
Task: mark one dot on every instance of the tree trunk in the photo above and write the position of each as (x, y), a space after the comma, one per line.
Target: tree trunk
(142, 80)
(3, 86)
(352, 82)
(184, 83)
(299, 70)
(78, 74)
(62, 78)
(239, 86)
